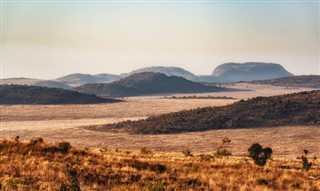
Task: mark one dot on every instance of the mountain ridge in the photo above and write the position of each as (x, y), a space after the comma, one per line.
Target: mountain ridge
(224, 73)
(147, 83)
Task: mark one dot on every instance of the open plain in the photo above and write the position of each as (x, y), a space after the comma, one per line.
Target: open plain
(57, 123)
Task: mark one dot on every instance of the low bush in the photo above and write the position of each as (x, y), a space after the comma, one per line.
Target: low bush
(259, 154)
(64, 146)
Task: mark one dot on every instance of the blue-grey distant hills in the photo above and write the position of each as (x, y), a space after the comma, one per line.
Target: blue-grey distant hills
(146, 83)
(228, 72)
(19, 81)
(78, 79)
(51, 84)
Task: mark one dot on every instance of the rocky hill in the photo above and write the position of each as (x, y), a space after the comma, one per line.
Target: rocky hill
(22, 94)
(80, 79)
(309, 81)
(291, 109)
(233, 72)
(169, 71)
(147, 83)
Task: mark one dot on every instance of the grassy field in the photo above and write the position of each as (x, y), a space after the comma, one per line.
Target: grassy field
(132, 107)
(122, 161)
(42, 166)
(64, 122)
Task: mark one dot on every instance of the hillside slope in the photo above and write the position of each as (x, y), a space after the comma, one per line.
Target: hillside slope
(291, 109)
(19, 94)
(232, 72)
(308, 81)
(147, 83)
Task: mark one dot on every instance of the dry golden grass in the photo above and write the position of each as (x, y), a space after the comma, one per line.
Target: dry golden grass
(64, 122)
(42, 166)
(132, 108)
(288, 142)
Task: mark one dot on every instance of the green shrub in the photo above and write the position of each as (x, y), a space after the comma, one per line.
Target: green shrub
(187, 153)
(259, 154)
(160, 168)
(145, 151)
(305, 162)
(262, 181)
(221, 151)
(64, 147)
(206, 158)
(36, 141)
(296, 185)
(155, 186)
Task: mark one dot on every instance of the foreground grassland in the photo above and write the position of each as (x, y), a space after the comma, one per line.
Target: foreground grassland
(37, 165)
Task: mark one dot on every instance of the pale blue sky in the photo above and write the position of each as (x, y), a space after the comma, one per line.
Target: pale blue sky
(52, 39)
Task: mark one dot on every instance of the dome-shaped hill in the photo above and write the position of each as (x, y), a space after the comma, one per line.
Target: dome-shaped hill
(146, 83)
(21, 94)
(232, 72)
(169, 71)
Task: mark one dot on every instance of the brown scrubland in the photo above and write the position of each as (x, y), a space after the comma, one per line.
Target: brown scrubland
(36, 165)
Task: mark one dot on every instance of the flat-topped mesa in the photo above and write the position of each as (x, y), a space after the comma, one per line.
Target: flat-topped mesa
(232, 72)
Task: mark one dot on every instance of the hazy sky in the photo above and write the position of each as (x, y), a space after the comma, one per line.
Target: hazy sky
(51, 39)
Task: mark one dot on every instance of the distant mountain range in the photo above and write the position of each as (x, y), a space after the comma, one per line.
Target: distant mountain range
(291, 109)
(146, 83)
(229, 72)
(23, 94)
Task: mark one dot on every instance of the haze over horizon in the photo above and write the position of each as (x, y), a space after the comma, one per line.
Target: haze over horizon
(51, 39)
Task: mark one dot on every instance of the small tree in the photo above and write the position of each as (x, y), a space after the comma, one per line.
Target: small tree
(305, 162)
(259, 154)
(221, 151)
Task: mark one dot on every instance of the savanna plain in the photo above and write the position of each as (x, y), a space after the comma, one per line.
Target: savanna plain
(55, 150)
